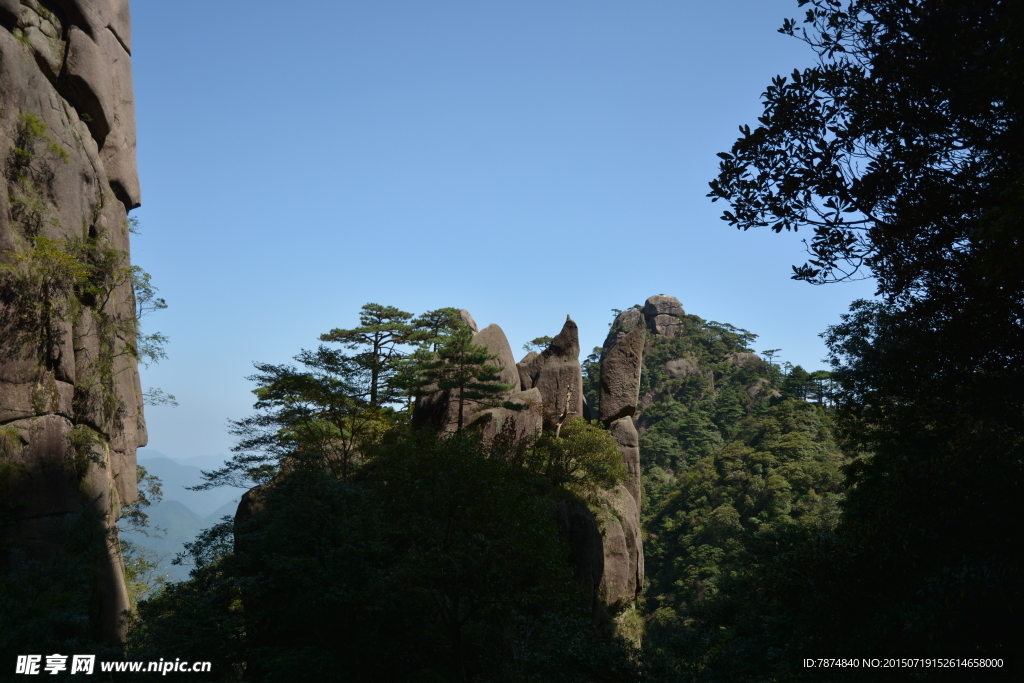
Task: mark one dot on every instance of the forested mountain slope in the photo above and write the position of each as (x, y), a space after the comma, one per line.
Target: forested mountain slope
(738, 460)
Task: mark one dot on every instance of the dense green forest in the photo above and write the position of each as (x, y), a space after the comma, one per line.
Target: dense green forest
(856, 513)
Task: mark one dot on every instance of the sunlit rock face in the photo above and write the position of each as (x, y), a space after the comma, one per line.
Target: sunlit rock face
(662, 314)
(70, 400)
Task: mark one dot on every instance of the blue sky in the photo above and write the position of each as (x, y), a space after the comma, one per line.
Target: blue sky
(522, 160)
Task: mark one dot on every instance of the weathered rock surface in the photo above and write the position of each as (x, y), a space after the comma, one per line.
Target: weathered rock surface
(761, 388)
(743, 358)
(626, 438)
(662, 314)
(679, 368)
(521, 424)
(497, 344)
(9, 11)
(70, 398)
(620, 377)
(468, 319)
(557, 373)
(586, 550)
(524, 367)
(440, 410)
(624, 323)
(619, 521)
(606, 552)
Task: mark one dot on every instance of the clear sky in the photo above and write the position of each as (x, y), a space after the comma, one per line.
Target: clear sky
(523, 160)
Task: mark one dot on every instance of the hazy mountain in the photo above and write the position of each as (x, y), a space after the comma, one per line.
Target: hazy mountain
(172, 525)
(176, 475)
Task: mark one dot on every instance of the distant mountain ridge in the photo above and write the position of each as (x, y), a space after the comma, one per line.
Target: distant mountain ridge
(182, 514)
(173, 524)
(176, 475)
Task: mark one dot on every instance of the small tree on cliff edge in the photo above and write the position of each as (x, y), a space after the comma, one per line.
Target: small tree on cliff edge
(461, 366)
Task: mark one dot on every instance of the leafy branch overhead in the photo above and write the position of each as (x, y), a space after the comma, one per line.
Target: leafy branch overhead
(892, 150)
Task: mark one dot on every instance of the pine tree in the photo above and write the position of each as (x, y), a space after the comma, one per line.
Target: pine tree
(462, 366)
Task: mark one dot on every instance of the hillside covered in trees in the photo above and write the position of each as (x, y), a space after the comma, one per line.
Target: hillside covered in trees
(464, 557)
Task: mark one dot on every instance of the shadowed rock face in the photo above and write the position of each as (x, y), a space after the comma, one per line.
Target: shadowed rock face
(70, 399)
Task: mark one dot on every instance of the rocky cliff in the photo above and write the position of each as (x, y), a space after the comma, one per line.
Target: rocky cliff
(607, 548)
(70, 400)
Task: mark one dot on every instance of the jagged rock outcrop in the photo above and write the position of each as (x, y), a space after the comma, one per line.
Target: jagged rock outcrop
(586, 551)
(607, 551)
(70, 399)
(743, 358)
(519, 424)
(493, 337)
(679, 368)
(556, 372)
(619, 392)
(626, 438)
(523, 367)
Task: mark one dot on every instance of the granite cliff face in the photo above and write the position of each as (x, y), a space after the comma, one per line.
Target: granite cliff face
(70, 400)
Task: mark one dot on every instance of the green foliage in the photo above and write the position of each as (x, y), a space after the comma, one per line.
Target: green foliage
(902, 150)
(439, 563)
(150, 492)
(382, 331)
(47, 605)
(462, 367)
(692, 415)
(324, 411)
(538, 344)
(150, 346)
(85, 444)
(581, 457)
(591, 367)
(780, 474)
(31, 175)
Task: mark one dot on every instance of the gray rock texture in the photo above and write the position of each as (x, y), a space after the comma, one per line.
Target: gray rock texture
(580, 529)
(662, 313)
(556, 372)
(439, 410)
(9, 12)
(624, 323)
(626, 438)
(468, 319)
(497, 344)
(619, 521)
(606, 550)
(679, 368)
(620, 377)
(519, 424)
(70, 399)
(743, 358)
(524, 367)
